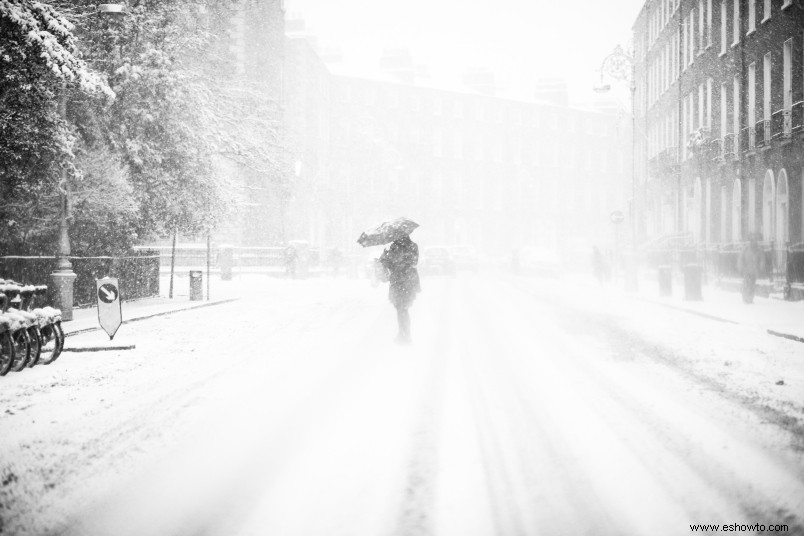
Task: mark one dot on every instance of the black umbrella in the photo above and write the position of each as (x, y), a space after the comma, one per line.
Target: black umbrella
(387, 232)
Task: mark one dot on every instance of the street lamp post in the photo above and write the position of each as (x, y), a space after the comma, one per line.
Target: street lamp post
(621, 66)
(62, 279)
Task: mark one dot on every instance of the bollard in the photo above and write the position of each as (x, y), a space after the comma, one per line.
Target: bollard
(196, 285)
(665, 280)
(226, 261)
(692, 282)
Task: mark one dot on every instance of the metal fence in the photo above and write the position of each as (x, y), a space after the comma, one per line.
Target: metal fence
(244, 258)
(138, 274)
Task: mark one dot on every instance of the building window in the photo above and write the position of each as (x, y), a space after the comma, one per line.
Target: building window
(736, 21)
(736, 110)
(737, 209)
(709, 104)
(684, 60)
(701, 106)
(787, 3)
(724, 110)
(752, 203)
(752, 95)
(701, 25)
(787, 77)
(437, 105)
(457, 110)
(724, 211)
(692, 35)
(752, 15)
(766, 82)
(724, 29)
(766, 13)
(708, 23)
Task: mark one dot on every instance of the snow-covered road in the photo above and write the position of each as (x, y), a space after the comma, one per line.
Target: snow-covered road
(524, 407)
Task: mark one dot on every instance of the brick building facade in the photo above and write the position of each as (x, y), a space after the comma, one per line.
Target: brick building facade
(719, 91)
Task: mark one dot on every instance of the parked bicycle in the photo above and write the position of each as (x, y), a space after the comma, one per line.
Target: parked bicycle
(29, 335)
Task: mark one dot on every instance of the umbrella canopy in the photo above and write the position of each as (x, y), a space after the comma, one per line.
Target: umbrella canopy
(387, 232)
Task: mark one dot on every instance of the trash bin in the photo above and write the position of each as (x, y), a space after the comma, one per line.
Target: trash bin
(692, 282)
(665, 280)
(196, 285)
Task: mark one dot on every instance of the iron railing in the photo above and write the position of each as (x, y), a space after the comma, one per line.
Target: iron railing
(787, 123)
(752, 138)
(729, 146)
(717, 149)
(777, 124)
(797, 117)
(763, 132)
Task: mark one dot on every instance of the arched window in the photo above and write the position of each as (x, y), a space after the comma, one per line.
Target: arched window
(696, 220)
(724, 214)
(736, 210)
(768, 205)
(782, 210)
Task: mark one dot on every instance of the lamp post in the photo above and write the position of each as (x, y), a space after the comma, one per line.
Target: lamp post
(62, 279)
(620, 66)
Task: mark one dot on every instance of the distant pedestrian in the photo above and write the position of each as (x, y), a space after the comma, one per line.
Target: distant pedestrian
(749, 265)
(599, 265)
(400, 259)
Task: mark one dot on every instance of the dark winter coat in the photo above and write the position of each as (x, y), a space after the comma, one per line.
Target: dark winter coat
(400, 259)
(750, 261)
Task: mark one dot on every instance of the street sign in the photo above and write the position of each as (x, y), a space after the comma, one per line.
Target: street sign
(617, 216)
(110, 313)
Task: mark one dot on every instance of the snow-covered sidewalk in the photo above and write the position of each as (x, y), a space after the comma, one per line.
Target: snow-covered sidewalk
(777, 317)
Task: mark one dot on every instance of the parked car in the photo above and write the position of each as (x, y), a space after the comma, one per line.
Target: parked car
(465, 258)
(437, 260)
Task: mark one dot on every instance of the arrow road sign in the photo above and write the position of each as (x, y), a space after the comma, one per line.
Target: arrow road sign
(110, 314)
(107, 293)
(617, 216)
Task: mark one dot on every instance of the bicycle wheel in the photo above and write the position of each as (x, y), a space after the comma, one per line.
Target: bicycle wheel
(35, 338)
(6, 353)
(52, 343)
(22, 349)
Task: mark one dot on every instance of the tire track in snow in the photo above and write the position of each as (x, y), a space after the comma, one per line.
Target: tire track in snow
(758, 503)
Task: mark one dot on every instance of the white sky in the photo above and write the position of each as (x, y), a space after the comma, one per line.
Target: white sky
(520, 40)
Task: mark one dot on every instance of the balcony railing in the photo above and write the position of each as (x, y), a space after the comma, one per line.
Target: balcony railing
(763, 132)
(752, 138)
(797, 120)
(729, 146)
(787, 123)
(777, 124)
(716, 149)
(745, 138)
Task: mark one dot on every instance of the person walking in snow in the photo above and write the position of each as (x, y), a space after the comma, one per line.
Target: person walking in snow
(400, 259)
(749, 264)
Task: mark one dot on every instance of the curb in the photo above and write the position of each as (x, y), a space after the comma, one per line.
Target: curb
(684, 309)
(786, 335)
(721, 319)
(152, 315)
